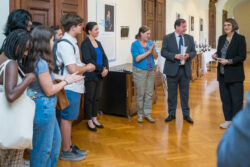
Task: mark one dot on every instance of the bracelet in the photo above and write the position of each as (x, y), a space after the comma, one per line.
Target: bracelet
(66, 82)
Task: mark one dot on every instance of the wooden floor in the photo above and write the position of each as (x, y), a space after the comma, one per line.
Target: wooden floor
(126, 143)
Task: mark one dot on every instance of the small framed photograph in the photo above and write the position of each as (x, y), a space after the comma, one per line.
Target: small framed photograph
(178, 16)
(191, 23)
(201, 24)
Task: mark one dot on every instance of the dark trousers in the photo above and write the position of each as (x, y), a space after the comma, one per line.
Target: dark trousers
(232, 98)
(182, 81)
(91, 99)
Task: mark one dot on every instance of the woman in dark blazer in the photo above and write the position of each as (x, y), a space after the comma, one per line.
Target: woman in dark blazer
(92, 52)
(231, 53)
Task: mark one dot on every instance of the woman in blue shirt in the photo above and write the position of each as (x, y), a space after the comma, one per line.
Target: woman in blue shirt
(143, 72)
(92, 52)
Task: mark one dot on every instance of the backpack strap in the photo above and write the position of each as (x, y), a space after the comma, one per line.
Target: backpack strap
(55, 56)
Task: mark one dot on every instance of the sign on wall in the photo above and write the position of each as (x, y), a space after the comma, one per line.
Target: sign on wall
(106, 19)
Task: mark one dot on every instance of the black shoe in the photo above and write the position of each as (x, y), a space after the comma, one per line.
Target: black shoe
(75, 149)
(188, 119)
(170, 118)
(98, 126)
(92, 129)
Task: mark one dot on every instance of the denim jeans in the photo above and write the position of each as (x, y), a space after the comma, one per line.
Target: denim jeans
(46, 137)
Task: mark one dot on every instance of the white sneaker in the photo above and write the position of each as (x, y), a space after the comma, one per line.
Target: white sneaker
(140, 119)
(25, 163)
(226, 124)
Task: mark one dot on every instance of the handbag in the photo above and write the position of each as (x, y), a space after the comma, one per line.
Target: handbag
(62, 100)
(16, 118)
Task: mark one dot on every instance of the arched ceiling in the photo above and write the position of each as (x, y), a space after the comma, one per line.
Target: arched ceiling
(230, 5)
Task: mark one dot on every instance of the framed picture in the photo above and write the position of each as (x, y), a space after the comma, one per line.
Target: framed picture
(109, 18)
(191, 23)
(201, 24)
(178, 16)
(106, 19)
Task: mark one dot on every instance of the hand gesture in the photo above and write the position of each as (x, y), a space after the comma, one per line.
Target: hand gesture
(90, 67)
(104, 72)
(186, 56)
(152, 48)
(223, 61)
(214, 56)
(72, 78)
(179, 57)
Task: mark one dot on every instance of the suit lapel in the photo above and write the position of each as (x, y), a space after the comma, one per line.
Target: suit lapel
(176, 44)
(92, 48)
(185, 40)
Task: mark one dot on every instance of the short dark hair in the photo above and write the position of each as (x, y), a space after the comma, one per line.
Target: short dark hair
(234, 23)
(178, 22)
(55, 29)
(142, 29)
(14, 47)
(35, 24)
(89, 27)
(17, 19)
(70, 19)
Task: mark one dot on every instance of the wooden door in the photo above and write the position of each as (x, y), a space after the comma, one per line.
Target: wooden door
(224, 17)
(148, 17)
(212, 23)
(160, 19)
(41, 10)
(49, 12)
(154, 16)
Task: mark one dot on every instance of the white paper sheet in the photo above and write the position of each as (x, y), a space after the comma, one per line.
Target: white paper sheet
(183, 52)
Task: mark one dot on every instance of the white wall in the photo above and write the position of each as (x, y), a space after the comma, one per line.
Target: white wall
(128, 13)
(242, 13)
(4, 12)
(196, 8)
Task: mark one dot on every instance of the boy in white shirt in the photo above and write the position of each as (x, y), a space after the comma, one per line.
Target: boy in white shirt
(68, 54)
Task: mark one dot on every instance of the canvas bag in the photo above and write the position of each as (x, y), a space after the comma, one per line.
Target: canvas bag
(16, 118)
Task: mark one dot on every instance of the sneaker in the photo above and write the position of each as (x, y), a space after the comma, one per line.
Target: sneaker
(75, 149)
(71, 156)
(25, 163)
(226, 124)
(140, 119)
(150, 119)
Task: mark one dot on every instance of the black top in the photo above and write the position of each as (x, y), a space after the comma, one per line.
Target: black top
(89, 56)
(237, 52)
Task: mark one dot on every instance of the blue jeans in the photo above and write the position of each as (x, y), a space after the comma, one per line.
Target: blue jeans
(46, 137)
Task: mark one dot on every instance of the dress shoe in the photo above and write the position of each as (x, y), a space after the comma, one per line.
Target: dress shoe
(188, 119)
(170, 118)
(98, 126)
(92, 129)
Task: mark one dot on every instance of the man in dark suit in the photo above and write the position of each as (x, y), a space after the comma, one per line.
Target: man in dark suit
(178, 74)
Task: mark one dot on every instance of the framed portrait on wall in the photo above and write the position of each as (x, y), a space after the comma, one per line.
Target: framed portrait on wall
(109, 18)
(106, 19)
(201, 24)
(191, 23)
(178, 16)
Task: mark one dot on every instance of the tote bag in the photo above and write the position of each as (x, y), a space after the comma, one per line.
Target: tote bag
(16, 118)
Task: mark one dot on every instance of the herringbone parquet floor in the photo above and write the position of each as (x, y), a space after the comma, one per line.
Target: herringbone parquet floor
(126, 143)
